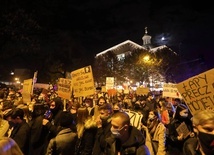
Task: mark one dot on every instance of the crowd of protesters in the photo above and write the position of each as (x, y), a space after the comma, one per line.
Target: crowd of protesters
(102, 125)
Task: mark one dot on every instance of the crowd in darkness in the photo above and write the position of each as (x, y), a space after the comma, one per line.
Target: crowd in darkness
(102, 125)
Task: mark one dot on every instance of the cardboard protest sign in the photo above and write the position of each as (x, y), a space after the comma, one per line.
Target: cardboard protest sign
(198, 91)
(26, 92)
(170, 90)
(83, 82)
(183, 129)
(64, 88)
(109, 83)
(41, 85)
(142, 91)
(112, 92)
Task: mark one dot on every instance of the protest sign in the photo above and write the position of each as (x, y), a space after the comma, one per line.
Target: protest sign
(142, 90)
(64, 88)
(26, 92)
(198, 91)
(183, 129)
(109, 83)
(83, 82)
(112, 92)
(170, 90)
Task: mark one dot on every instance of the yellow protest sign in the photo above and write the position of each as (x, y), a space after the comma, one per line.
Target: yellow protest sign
(142, 90)
(198, 91)
(26, 92)
(83, 82)
(64, 88)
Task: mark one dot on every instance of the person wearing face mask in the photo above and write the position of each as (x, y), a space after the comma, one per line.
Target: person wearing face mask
(155, 132)
(203, 123)
(103, 121)
(117, 107)
(124, 138)
(178, 141)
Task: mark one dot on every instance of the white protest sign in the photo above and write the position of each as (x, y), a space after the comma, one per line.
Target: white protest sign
(170, 90)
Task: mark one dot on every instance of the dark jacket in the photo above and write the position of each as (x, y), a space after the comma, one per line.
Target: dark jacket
(86, 142)
(38, 137)
(101, 135)
(20, 134)
(135, 145)
(63, 143)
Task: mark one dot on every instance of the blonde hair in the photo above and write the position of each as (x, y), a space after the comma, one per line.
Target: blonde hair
(82, 116)
(9, 147)
(203, 117)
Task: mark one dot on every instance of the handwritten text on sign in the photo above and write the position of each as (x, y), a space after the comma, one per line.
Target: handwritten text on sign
(170, 90)
(198, 91)
(83, 82)
(64, 88)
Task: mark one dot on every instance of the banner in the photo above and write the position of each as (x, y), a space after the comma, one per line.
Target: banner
(198, 91)
(83, 82)
(64, 88)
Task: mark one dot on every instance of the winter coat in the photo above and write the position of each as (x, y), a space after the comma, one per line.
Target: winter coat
(63, 143)
(85, 144)
(135, 145)
(38, 137)
(160, 137)
(20, 134)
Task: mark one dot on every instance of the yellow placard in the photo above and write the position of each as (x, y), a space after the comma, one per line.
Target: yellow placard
(142, 91)
(83, 82)
(198, 91)
(64, 88)
(26, 92)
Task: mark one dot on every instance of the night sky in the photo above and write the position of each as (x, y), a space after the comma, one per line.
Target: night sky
(96, 25)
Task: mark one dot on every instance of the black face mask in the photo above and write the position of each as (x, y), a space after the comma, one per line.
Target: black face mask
(11, 124)
(207, 142)
(115, 111)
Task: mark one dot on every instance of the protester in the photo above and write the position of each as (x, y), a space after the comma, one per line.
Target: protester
(181, 142)
(141, 107)
(124, 138)
(86, 131)
(203, 122)
(155, 134)
(151, 102)
(65, 140)
(38, 133)
(51, 122)
(88, 102)
(9, 147)
(21, 130)
(101, 100)
(117, 107)
(103, 122)
(165, 118)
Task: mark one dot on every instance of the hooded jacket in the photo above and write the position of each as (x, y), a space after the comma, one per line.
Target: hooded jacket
(135, 145)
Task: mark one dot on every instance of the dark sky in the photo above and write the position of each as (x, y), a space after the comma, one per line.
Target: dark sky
(99, 24)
